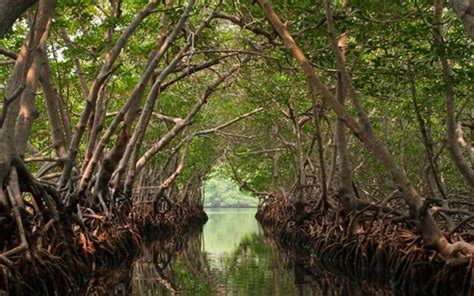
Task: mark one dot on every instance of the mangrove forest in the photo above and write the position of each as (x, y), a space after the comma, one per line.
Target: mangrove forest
(237, 147)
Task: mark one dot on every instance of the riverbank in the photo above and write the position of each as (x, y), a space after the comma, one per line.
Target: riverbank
(379, 251)
(68, 262)
(216, 261)
(153, 224)
(102, 244)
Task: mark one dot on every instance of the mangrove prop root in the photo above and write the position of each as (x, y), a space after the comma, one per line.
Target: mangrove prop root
(49, 252)
(381, 251)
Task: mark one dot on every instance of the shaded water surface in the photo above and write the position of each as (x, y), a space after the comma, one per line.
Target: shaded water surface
(230, 256)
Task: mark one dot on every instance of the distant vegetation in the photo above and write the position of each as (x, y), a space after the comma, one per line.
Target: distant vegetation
(222, 192)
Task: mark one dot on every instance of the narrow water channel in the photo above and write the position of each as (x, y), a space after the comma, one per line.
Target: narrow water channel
(230, 256)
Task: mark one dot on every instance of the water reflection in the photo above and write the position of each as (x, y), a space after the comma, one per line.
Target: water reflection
(231, 256)
(225, 230)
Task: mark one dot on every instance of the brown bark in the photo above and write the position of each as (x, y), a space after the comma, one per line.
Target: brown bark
(108, 165)
(275, 170)
(163, 41)
(28, 113)
(97, 117)
(172, 177)
(301, 155)
(96, 124)
(323, 202)
(133, 148)
(346, 192)
(17, 119)
(15, 86)
(130, 156)
(333, 164)
(15, 188)
(427, 143)
(52, 105)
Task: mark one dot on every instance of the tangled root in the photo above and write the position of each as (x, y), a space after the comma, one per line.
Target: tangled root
(379, 250)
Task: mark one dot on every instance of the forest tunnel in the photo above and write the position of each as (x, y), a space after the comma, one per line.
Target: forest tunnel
(352, 122)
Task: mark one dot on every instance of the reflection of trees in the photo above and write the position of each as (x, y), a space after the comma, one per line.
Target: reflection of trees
(311, 278)
(257, 266)
(260, 267)
(115, 281)
(253, 269)
(151, 270)
(171, 266)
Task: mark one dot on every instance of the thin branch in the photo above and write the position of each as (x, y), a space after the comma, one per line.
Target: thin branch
(8, 54)
(229, 123)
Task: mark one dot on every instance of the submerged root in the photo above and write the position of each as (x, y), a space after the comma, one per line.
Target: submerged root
(380, 251)
(51, 251)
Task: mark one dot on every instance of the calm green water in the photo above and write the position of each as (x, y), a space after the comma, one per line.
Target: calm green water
(230, 256)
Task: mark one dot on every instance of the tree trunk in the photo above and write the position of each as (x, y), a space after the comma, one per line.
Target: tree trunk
(28, 113)
(52, 105)
(301, 155)
(15, 87)
(131, 108)
(98, 82)
(346, 192)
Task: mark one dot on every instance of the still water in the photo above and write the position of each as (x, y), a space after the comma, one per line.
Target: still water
(230, 256)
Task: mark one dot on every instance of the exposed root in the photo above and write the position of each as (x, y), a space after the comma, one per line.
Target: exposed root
(158, 216)
(49, 252)
(381, 250)
(51, 248)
